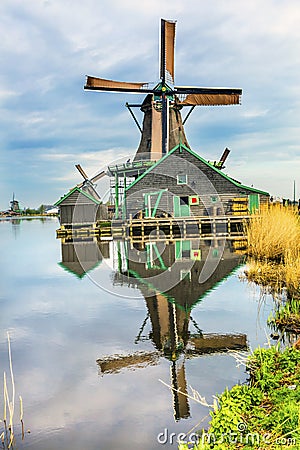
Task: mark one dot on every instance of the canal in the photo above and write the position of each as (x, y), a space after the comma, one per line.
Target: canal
(109, 338)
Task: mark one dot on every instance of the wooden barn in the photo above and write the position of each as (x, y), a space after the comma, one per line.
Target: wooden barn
(183, 184)
(79, 207)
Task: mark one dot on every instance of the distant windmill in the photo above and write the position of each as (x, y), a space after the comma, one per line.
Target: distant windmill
(14, 205)
(162, 125)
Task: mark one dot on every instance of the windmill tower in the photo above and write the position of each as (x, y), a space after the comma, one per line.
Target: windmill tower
(163, 127)
(14, 205)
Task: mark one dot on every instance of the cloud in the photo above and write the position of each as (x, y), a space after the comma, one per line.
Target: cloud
(48, 47)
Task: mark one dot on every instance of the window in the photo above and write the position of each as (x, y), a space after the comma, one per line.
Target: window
(193, 200)
(183, 200)
(182, 179)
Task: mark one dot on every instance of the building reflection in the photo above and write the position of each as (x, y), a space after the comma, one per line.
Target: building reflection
(167, 274)
(81, 255)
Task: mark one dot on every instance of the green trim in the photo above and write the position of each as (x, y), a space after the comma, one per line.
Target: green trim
(76, 188)
(242, 186)
(223, 174)
(152, 212)
(151, 168)
(83, 274)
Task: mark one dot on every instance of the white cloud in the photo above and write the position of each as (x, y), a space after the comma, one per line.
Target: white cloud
(49, 46)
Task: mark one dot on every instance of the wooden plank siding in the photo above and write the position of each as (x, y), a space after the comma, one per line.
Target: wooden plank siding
(79, 208)
(215, 190)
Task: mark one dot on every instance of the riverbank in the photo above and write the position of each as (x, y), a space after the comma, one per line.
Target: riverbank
(265, 413)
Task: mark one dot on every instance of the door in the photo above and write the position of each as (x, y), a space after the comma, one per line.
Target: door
(181, 206)
(253, 203)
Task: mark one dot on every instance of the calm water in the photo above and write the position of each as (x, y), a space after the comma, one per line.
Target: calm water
(90, 348)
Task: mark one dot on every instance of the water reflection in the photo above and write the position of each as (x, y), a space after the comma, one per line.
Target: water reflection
(82, 255)
(167, 275)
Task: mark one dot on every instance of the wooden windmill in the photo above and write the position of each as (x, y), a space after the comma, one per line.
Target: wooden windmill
(162, 125)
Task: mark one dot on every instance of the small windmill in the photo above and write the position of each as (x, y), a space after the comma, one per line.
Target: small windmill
(89, 181)
(14, 205)
(89, 184)
(162, 126)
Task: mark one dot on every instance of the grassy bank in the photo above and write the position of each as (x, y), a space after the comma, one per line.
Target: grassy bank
(265, 413)
(286, 317)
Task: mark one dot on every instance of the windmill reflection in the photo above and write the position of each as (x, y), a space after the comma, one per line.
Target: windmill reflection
(167, 274)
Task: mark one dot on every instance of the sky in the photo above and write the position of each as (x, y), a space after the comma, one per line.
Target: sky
(49, 122)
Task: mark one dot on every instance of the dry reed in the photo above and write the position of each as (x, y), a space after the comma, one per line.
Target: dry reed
(274, 245)
(7, 435)
(272, 232)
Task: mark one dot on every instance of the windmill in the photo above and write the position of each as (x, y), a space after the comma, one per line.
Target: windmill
(89, 184)
(162, 125)
(14, 205)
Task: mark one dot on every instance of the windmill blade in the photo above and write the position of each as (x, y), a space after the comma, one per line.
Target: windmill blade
(113, 364)
(214, 343)
(193, 96)
(88, 188)
(82, 172)
(101, 84)
(98, 177)
(167, 44)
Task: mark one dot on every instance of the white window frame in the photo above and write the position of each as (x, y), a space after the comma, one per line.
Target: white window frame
(181, 175)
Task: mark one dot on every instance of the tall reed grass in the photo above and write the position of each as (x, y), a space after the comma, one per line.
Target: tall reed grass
(273, 232)
(274, 248)
(7, 435)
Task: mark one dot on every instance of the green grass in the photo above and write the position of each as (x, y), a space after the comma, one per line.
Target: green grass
(263, 414)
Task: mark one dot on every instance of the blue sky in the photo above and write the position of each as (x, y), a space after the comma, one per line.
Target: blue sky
(49, 123)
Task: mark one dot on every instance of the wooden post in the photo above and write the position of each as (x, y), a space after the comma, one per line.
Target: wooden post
(116, 196)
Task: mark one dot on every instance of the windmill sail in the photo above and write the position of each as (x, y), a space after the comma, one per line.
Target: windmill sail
(167, 50)
(163, 128)
(210, 99)
(82, 172)
(111, 85)
(98, 176)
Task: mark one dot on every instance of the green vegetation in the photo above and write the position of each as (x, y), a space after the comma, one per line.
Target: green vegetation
(286, 317)
(265, 413)
(34, 212)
